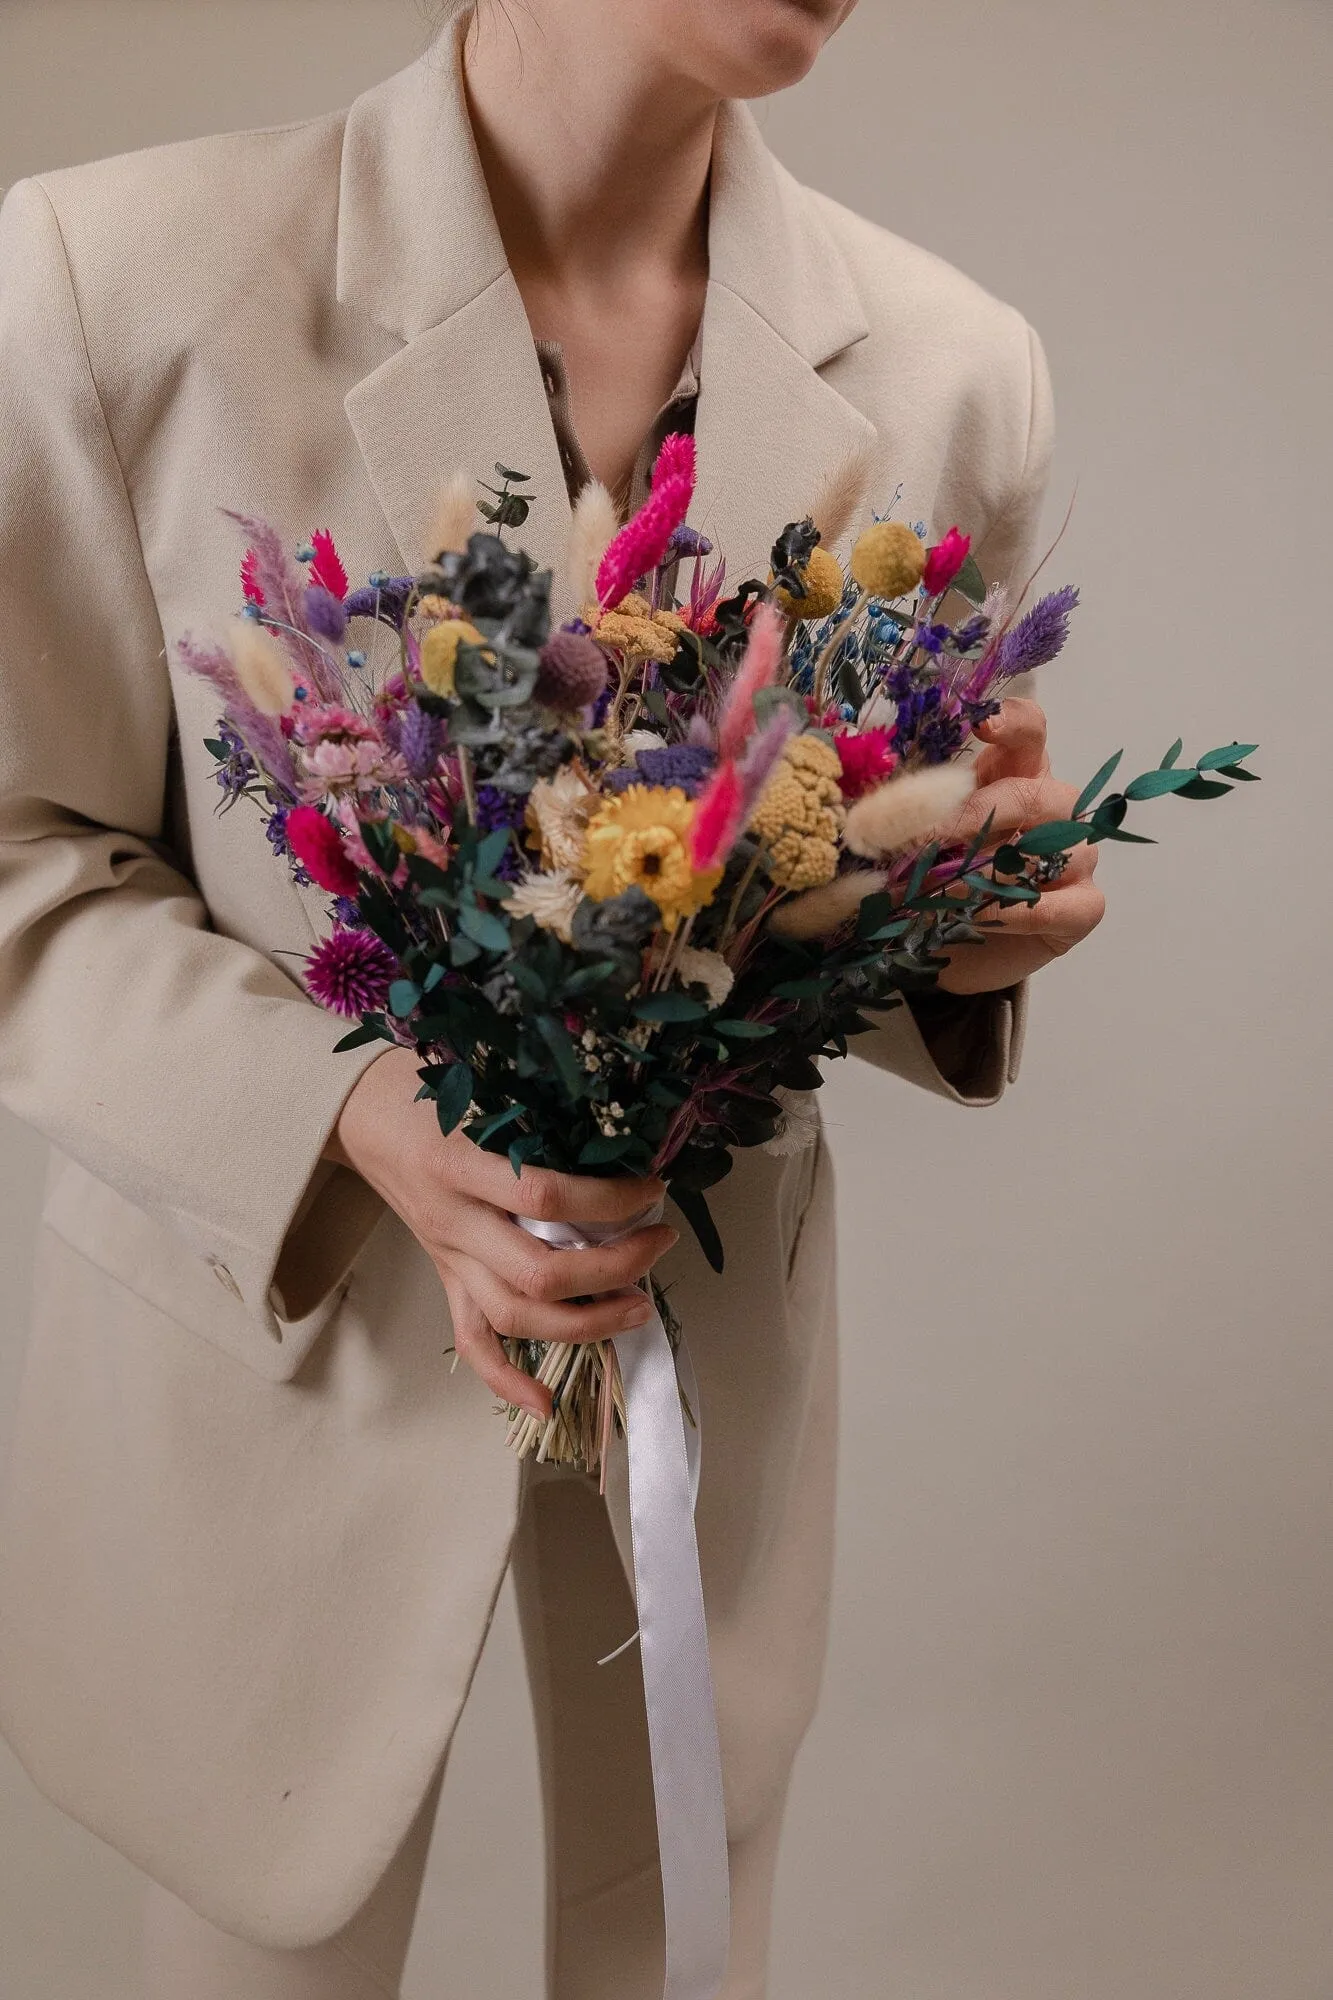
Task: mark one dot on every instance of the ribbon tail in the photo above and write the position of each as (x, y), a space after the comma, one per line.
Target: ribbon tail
(677, 1677)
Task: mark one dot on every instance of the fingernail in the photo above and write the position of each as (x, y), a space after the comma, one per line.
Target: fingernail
(638, 1315)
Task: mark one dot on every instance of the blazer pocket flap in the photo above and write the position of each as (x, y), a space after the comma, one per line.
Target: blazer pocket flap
(198, 1293)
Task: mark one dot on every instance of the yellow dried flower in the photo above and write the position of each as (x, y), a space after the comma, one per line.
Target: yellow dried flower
(635, 629)
(888, 559)
(642, 840)
(799, 815)
(436, 607)
(439, 653)
(823, 580)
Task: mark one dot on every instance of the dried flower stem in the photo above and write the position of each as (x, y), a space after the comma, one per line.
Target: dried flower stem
(831, 646)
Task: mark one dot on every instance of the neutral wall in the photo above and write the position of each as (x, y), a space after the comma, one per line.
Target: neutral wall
(1077, 1738)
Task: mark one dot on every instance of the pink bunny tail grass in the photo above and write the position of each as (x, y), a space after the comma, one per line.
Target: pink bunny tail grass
(762, 757)
(261, 734)
(676, 459)
(271, 578)
(718, 818)
(758, 670)
(643, 541)
(327, 569)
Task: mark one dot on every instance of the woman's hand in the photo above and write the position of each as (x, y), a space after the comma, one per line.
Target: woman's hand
(1014, 783)
(458, 1202)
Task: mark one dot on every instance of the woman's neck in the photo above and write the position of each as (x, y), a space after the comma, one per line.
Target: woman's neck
(597, 166)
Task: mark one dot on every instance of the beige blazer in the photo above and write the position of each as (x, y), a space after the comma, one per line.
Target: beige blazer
(255, 1527)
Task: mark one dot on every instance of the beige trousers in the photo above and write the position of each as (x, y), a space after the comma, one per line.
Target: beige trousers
(604, 1918)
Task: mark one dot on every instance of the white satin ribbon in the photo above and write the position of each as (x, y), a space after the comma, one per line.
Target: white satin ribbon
(664, 1459)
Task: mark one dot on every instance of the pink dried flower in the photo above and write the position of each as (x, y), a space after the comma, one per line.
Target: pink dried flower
(327, 570)
(351, 973)
(717, 819)
(763, 654)
(319, 847)
(944, 561)
(250, 584)
(643, 541)
(572, 671)
(867, 759)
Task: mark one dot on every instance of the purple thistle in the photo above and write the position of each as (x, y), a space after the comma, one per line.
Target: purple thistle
(1036, 638)
(419, 738)
(324, 614)
(351, 973)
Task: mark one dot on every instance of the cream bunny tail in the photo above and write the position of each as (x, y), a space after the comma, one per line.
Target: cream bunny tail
(455, 517)
(840, 494)
(595, 526)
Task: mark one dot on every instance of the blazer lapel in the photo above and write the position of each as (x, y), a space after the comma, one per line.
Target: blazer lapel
(419, 251)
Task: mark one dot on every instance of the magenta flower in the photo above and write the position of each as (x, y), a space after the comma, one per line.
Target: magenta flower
(644, 540)
(317, 844)
(944, 561)
(351, 973)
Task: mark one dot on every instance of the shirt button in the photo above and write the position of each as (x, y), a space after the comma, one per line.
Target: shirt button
(224, 1277)
(549, 379)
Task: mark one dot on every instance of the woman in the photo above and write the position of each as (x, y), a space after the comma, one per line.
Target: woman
(256, 1522)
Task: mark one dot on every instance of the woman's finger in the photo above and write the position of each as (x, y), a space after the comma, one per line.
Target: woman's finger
(1011, 804)
(538, 1270)
(515, 1316)
(1015, 740)
(476, 1342)
(546, 1196)
(1063, 915)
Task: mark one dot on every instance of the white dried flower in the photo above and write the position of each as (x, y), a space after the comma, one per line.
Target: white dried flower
(550, 900)
(707, 969)
(799, 1127)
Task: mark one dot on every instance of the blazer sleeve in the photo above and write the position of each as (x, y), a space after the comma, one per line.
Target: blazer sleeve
(178, 1066)
(968, 1048)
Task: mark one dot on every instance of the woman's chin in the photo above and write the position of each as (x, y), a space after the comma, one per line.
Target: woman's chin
(751, 48)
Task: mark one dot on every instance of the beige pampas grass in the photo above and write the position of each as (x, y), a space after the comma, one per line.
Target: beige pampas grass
(261, 667)
(595, 526)
(820, 912)
(840, 494)
(454, 519)
(908, 810)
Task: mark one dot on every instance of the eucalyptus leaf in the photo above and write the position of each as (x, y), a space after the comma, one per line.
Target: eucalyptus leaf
(970, 583)
(1228, 753)
(670, 1007)
(404, 996)
(1095, 783)
(1173, 753)
(1153, 784)
(490, 932)
(454, 1096)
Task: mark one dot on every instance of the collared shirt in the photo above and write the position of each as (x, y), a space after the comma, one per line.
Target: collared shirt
(676, 414)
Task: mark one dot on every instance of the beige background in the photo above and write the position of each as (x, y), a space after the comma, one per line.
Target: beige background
(1077, 1738)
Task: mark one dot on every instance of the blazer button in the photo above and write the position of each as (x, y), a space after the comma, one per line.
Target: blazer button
(224, 1277)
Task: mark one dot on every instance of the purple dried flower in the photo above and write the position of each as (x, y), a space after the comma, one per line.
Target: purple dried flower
(419, 736)
(386, 601)
(1037, 637)
(324, 614)
(496, 808)
(345, 912)
(688, 541)
(971, 632)
(684, 765)
(930, 638)
(237, 769)
(351, 973)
